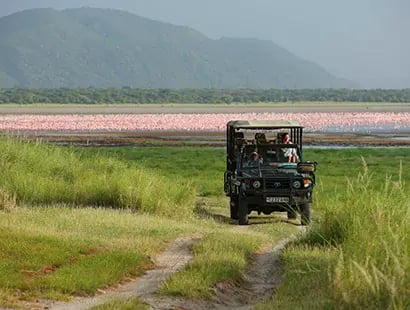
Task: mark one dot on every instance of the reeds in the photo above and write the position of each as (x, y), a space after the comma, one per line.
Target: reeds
(369, 226)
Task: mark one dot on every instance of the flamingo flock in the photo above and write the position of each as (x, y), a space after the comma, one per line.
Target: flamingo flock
(313, 122)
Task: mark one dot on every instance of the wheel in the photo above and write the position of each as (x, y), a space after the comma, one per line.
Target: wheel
(292, 213)
(305, 213)
(234, 207)
(242, 211)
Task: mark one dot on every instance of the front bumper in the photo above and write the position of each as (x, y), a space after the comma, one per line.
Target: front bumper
(268, 202)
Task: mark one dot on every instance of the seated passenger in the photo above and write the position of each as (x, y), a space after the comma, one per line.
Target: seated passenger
(289, 153)
(260, 138)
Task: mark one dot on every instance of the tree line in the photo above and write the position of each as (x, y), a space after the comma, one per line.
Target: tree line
(137, 95)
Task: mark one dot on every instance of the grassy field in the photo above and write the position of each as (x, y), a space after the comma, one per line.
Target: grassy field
(357, 253)
(51, 248)
(40, 174)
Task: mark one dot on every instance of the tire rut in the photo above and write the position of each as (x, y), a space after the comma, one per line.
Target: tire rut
(144, 287)
(259, 283)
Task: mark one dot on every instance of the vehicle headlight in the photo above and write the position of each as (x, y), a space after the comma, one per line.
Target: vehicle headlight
(297, 184)
(307, 182)
(256, 184)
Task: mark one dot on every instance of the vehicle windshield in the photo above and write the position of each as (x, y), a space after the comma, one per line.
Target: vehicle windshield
(270, 156)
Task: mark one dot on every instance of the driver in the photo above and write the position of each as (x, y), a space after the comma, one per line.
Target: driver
(255, 159)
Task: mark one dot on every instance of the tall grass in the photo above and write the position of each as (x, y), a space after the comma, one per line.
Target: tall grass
(203, 167)
(369, 226)
(44, 174)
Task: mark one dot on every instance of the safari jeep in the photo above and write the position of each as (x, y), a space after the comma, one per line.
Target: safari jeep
(265, 172)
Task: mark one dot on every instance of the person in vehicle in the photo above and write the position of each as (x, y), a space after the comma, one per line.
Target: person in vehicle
(255, 160)
(260, 138)
(289, 153)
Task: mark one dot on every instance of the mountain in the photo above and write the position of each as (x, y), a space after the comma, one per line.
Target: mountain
(88, 47)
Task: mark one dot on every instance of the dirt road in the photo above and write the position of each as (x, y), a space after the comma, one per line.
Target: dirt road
(259, 284)
(170, 261)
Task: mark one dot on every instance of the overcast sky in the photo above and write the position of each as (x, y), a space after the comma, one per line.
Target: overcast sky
(366, 41)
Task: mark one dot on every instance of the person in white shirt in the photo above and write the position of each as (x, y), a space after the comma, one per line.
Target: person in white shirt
(289, 153)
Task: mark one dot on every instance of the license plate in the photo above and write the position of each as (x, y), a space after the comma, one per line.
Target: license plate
(277, 199)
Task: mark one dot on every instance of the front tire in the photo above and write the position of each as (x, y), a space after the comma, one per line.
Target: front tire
(305, 213)
(243, 211)
(292, 213)
(234, 207)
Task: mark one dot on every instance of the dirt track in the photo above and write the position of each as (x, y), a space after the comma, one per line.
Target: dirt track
(260, 281)
(169, 262)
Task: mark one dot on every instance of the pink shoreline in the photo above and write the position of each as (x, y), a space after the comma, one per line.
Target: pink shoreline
(312, 121)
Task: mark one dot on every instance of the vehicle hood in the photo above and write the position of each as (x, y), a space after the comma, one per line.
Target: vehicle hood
(271, 170)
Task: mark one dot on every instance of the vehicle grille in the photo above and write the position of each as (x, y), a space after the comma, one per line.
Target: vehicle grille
(277, 184)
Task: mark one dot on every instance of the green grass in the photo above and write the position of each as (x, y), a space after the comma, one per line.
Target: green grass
(53, 252)
(341, 193)
(43, 174)
(129, 304)
(46, 251)
(359, 247)
(201, 167)
(306, 280)
(337, 166)
(217, 258)
(374, 244)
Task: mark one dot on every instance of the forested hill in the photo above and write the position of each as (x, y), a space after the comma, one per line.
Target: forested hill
(46, 48)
